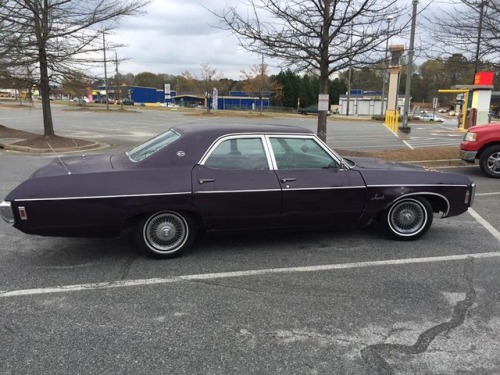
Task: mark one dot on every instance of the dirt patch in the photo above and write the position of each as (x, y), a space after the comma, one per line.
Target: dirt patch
(43, 142)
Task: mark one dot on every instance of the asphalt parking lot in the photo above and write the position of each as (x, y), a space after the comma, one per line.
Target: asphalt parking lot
(276, 303)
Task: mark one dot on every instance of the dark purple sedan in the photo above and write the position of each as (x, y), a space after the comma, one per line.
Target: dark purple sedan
(213, 178)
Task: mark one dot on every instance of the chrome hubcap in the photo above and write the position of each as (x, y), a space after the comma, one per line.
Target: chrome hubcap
(407, 217)
(165, 232)
(493, 162)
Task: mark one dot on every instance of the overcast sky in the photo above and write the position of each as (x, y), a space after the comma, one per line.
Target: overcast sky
(178, 35)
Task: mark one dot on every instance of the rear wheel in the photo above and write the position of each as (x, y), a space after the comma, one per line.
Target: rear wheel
(407, 219)
(165, 234)
(490, 162)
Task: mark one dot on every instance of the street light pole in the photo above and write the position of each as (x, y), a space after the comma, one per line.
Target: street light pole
(105, 70)
(480, 27)
(384, 76)
(409, 70)
(349, 78)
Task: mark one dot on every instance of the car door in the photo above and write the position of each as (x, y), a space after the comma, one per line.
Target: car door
(235, 187)
(317, 189)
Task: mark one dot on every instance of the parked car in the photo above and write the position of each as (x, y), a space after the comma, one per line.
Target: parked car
(127, 102)
(106, 100)
(482, 143)
(429, 117)
(311, 110)
(219, 178)
(82, 99)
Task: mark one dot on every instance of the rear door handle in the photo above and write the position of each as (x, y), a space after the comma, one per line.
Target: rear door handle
(203, 180)
(285, 180)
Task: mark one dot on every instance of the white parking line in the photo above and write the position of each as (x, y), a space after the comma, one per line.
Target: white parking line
(410, 146)
(495, 233)
(486, 194)
(226, 275)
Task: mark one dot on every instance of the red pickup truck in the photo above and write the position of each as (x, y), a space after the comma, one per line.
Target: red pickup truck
(482, 142)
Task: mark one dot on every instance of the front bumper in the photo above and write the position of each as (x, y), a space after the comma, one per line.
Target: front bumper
(468, 156)
(6, 212)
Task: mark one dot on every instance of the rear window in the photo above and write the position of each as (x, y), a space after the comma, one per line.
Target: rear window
(155, 144)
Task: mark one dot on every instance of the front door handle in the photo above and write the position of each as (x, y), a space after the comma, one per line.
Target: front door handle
(285, 180)
(203, 180)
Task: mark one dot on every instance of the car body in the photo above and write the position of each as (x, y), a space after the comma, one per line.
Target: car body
(311, 110)
(482, 143)
(429, 117)
(220, 178)
(82, 99)
(127, 102)
(105, 100)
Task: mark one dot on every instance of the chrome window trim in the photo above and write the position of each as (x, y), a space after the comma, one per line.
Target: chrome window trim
(266, 141)
(226, 137)
(138, 161)
(314, 137)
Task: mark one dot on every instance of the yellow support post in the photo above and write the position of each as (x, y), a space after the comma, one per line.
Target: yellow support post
(392, 120)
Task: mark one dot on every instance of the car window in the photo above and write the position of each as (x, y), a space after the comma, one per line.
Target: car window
(149, 147)
(238, 153)
(300, 153)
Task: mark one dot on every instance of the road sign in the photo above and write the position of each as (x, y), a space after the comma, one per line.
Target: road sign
(323, 102)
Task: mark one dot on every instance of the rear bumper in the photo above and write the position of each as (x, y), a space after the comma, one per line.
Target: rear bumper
(6, 212)
(468, 156)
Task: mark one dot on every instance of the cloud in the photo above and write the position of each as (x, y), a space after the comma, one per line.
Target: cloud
(178, 36)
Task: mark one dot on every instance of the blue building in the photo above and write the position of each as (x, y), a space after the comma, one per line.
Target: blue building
(137, 93)
(236, 100)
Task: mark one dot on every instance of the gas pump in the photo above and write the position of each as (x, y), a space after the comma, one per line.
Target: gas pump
(471, 118)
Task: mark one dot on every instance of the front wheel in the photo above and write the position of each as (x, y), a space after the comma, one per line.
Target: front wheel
(165, 234)
(407, 219)
(490, 162)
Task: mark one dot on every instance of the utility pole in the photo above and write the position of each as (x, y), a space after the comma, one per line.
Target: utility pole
(409, 71)
(262, 71)
(480, 27)
(105, 70)
(386, 64)
(349, 78)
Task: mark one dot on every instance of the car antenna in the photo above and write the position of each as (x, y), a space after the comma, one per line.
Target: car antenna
(57, 156)
(79, 150)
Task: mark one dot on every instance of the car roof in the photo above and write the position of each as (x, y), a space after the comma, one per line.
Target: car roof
(196, 139)
(214, 131)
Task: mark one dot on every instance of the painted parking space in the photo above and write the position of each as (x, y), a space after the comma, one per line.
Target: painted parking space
(273, 303)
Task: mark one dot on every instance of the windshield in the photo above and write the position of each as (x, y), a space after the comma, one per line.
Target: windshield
(148, 148)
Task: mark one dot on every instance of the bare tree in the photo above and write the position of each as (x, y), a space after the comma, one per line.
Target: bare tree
(53, 39)
(471, 28)
(315, 36)
(203, 83)
(257, 82)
